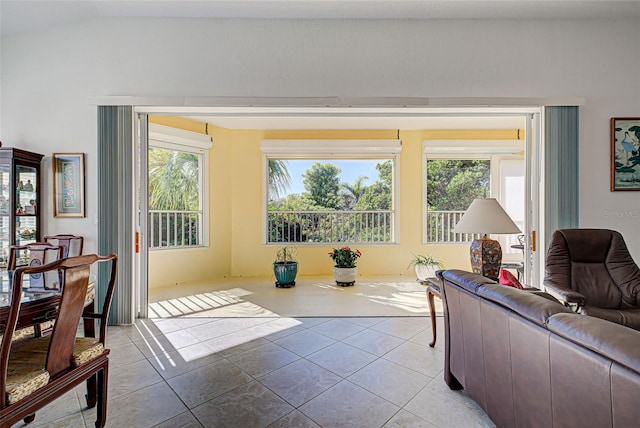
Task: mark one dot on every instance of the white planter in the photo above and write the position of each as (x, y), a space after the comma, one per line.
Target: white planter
(345, 276)
(425, 271)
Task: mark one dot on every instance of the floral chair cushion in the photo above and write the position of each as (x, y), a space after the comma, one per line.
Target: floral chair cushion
(23, 333)
(29, 332)
(86, 349)
(25, 372)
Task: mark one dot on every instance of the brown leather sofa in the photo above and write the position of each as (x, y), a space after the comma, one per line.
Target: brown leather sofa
(592, 270)
(531, 362)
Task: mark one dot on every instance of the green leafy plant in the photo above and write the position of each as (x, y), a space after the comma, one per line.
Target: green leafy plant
(421, 259)
(345, 257)
(286, 255)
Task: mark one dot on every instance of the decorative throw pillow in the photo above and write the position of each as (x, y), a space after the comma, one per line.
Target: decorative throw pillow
(507, 278)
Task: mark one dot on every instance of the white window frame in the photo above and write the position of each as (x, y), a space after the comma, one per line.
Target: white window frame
(493, 150)
(165, 137)
(333, 149)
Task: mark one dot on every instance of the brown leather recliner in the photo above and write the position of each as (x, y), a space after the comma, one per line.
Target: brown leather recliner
(592, 271)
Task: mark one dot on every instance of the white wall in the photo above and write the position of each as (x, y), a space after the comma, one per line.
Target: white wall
(47, 78)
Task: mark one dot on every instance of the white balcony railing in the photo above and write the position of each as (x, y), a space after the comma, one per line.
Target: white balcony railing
(182, 229)
(330, 226)
(440, 226)
(174, 229)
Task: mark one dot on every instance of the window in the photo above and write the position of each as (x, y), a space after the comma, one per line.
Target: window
(457, 172)
(177, 188)
(452, 184)
(327, 192)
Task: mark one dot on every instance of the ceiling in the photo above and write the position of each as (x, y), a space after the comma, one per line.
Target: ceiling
(26, 15)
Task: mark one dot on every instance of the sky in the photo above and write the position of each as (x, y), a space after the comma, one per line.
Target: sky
(351, 170)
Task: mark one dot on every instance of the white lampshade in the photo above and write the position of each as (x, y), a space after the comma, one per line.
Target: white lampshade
(486, 216)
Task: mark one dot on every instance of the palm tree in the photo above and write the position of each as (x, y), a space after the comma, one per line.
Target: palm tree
(174, 180)
(353, 192)
(279, 179)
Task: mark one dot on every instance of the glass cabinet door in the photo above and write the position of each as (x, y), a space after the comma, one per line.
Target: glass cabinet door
(26, 220)
(5, 218)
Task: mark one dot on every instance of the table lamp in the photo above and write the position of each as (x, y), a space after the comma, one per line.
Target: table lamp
(486, 216)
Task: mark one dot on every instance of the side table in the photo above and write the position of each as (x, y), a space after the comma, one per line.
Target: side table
(433, 289)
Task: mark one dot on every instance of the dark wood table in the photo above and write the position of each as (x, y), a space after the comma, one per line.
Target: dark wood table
(32, 311)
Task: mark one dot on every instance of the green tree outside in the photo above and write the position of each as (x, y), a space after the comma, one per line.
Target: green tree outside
(174, 185)
(452, 184)
(279, 180)
(324, 192)
(378, 196)
(322, 184)
(353, 192)
(296, 202)
(174, 180)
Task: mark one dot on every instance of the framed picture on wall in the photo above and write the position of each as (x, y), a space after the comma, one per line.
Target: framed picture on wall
(68, 184)
(625, 153)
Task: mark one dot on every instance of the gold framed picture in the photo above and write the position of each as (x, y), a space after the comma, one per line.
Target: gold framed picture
(625, 153)
(68, 185)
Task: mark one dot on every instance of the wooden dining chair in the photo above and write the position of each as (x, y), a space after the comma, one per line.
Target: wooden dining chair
(72, 244)
(36, 254)
(36, 371)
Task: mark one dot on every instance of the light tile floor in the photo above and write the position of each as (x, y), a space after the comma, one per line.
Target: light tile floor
(311, 297)
(247, 354)
(274, 372)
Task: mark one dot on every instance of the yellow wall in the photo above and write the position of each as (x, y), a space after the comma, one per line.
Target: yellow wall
(171, 267)
(236, 247)
(180, 123)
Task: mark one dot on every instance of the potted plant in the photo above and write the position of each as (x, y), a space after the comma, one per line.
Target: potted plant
(285, 267)
(425, 266)
(345, 270)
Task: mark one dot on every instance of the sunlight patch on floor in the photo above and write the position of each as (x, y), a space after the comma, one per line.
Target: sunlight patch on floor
(404, 301)
(240, 309)
(213, 304)
(170, 350)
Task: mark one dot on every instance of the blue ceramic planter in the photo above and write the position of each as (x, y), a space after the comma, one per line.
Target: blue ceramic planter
(285, 274)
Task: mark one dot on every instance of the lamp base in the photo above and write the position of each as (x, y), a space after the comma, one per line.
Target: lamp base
(486, 257)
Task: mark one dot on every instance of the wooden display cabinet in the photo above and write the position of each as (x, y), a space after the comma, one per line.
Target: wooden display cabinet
(19, 199)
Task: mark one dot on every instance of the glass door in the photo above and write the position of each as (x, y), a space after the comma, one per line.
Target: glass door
(26, 201)
(5, 218)
(142, 213)
(534, 252)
